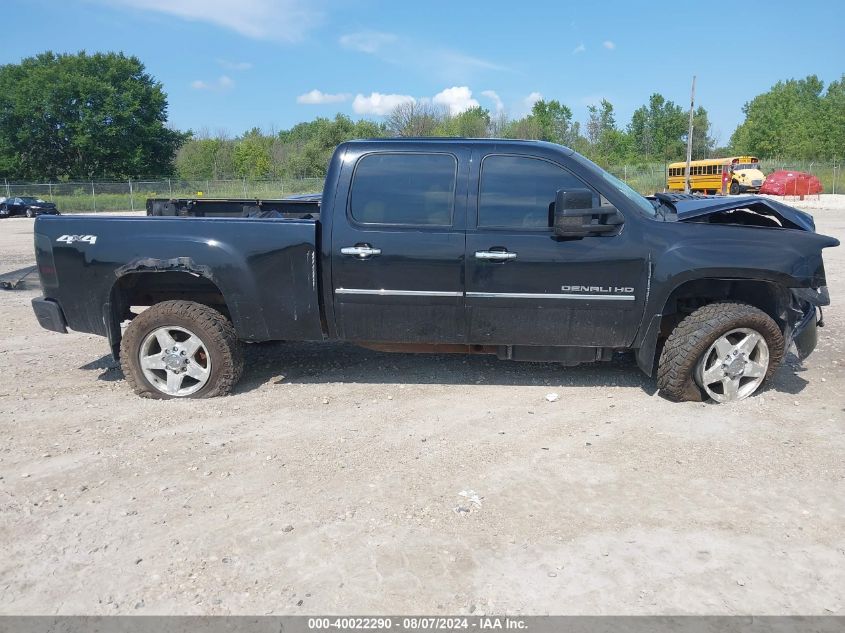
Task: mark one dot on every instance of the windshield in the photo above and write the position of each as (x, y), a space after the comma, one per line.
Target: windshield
(740, 166)
(29, 200)
(621, 186)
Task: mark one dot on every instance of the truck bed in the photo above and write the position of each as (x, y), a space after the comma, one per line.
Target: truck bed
(306, 206)
(266, 269)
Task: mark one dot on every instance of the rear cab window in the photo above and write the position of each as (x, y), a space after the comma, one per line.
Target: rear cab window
(404, 189)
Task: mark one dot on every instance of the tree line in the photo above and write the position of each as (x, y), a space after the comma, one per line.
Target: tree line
(657, 131)
(81, 116)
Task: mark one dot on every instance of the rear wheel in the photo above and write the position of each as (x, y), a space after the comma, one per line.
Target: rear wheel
(181, 349)
(722, 351)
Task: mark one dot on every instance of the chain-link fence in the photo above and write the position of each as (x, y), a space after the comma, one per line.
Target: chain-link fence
(131, 195)
(644, 178)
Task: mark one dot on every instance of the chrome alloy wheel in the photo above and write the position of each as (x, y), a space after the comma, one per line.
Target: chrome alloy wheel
(175, 361)
(734, 365)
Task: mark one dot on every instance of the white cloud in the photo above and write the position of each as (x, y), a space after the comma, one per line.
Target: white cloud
(494, 97)
(423, 57)
(457, 99)
(531, 99)
(367, 41)
(225, 63)
(579, 49)
(608, 45)
(378, 103)
(316, 97)
(282, 20)
(464, 62)
(222, 84)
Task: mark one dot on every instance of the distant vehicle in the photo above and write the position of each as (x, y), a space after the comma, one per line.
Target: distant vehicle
(28, 206)
(739, 174)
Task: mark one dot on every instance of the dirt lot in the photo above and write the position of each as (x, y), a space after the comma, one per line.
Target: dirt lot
(329, 483)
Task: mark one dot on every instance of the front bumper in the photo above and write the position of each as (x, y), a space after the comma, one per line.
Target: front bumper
(805, 334)
(49, 315)
(807, 302)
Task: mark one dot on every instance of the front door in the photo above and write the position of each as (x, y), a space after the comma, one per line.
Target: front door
(525, 285)
(397, 252)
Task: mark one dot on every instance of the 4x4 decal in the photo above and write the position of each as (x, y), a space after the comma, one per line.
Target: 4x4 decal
(72, 239)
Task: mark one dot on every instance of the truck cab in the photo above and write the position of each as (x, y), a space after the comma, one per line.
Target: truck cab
(444, 242)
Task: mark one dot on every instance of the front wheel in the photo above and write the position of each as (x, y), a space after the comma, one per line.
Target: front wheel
(181, 349)
(722, 351)
(734, 188)
(30, 213)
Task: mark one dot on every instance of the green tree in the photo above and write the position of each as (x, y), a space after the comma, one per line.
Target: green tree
(415, 119)
(601, 120)
(794, 119)
(203, 156)
(607, 144)
(251, 155)
(83, 116)
(659, 130)
(306, 148)
(703, 142)
(548, 121)
(833, 116)
(472, 123)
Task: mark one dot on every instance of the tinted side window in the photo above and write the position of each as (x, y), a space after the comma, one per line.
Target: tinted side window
(519, 191)
(404, 189)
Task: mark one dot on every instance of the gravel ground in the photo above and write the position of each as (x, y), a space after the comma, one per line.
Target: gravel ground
(330, 481)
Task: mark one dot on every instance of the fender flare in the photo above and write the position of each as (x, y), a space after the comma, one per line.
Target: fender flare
(110, 311)
(646, 350)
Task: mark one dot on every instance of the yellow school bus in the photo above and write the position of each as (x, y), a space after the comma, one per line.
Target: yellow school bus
(737, 174)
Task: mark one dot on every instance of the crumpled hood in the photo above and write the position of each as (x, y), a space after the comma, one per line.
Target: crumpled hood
(688, 207)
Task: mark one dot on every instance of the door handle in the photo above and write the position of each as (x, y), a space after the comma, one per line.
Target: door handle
(496, 256)
(362, 251)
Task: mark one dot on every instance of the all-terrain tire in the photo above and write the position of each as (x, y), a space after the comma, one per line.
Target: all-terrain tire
(216, 332)
(693, 336)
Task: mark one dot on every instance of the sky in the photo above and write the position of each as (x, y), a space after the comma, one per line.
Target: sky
(236, 64)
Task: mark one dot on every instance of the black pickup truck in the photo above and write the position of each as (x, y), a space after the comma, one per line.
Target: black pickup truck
(521, 249)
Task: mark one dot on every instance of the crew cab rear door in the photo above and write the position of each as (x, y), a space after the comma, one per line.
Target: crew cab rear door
(526, 285)
(398, 238)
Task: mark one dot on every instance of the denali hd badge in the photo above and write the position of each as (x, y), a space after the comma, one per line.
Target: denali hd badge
(610, 290)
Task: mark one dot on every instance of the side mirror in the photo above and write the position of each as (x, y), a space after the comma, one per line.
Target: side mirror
(576, 216)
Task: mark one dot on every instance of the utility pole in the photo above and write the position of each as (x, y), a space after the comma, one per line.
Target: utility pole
(689, 136)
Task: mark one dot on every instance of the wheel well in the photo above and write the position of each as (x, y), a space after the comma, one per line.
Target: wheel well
(143, 289)
(765, 295)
